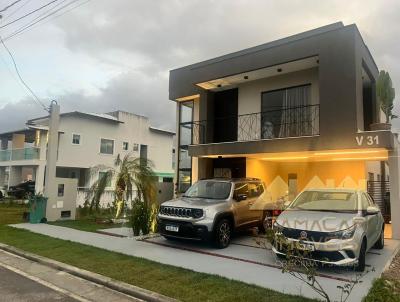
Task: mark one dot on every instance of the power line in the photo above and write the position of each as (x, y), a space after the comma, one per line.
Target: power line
(28, 14)
(16, 10)
(34, 19)
(35, 97)
(31, 23)
(8, 6)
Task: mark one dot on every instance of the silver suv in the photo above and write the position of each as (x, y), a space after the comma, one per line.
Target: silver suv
(212, 209)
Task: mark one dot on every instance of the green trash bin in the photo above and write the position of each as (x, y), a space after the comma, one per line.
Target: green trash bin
(37, 209)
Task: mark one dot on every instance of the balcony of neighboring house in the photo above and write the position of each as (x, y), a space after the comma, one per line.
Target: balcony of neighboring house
(20, 154)
(23, 147)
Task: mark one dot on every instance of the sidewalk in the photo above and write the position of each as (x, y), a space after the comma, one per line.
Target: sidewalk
(256, 266)
(42, 276)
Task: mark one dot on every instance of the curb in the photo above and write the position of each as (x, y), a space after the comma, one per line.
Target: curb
(119, 286)
(387, 265)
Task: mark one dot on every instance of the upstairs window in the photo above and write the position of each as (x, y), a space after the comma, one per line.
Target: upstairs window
(125, 146)
(107, 146)
(76, 139)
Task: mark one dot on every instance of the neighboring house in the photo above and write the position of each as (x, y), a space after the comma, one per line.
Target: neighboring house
(298, 112)
(86, 140)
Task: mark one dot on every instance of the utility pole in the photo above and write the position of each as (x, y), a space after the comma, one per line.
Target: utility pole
(52, 150)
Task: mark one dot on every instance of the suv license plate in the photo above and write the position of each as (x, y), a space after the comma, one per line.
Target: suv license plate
(306, 247)
(172, 228)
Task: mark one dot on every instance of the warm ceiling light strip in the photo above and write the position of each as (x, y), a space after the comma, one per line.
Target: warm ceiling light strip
(347, 152)
(285, 158)
(361, 158)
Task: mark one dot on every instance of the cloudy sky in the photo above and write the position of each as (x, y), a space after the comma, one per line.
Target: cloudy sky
(103, 55)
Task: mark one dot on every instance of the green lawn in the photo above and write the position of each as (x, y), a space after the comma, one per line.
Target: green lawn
(171, 281)
(384, 290)
(11, 213)
(175, 282)
(86, 224)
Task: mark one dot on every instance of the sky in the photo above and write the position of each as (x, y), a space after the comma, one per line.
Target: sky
(104, 55)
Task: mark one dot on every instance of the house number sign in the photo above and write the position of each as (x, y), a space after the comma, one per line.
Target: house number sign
(368, 140)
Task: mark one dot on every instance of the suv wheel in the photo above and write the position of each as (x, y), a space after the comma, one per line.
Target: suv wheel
(360, 267)
(379, 244)
(223, 233)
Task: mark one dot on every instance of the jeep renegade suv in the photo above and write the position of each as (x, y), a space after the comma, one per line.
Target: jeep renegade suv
(212, 209)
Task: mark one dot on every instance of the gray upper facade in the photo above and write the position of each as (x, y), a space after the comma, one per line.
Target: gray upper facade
(342, 105)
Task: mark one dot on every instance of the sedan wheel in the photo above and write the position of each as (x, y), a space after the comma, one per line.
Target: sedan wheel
(223, 234)
(360, 267)
(380, 243)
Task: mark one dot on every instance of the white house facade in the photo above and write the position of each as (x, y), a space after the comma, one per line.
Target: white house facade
(86, 140)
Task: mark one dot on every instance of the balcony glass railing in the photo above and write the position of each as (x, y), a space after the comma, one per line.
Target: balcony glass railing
(19, 154)
(277, 123)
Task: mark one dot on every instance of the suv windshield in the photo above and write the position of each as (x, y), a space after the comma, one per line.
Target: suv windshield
(330, 201)
(209, 189)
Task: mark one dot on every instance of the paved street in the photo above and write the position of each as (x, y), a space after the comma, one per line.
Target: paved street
(16, 288)
(24, 280)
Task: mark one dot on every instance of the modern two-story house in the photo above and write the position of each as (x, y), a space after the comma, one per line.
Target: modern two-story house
(86, 140)
(298, 112)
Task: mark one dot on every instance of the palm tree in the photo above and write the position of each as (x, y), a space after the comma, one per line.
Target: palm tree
(385, 94)
(130, 173)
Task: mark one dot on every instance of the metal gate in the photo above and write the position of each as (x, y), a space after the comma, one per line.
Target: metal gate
(380, 192)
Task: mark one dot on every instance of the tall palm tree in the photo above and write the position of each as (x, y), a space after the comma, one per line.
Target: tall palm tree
(130, 174)
(385, 94)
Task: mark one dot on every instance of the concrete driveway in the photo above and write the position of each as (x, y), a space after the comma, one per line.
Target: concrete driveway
(243, 260)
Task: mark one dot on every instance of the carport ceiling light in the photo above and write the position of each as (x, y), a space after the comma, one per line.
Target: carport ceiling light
(346, 152)
(285, 158)
(361, 158)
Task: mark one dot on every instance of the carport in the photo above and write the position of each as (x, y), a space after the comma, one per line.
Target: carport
(285, 175)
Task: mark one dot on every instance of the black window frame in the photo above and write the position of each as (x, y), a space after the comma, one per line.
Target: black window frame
(179, 169)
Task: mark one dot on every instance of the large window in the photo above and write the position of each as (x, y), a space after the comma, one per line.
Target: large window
(289, 113)
(106, 146)
(185, 139)
(103, 175)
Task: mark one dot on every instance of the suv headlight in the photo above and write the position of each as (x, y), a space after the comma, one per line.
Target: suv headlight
(197, 213)
(344, 234)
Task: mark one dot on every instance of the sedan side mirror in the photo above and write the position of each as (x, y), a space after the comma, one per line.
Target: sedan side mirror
(241, 197)
(372, 210)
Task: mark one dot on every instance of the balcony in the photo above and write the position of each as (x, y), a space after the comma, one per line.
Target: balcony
(272, 124)
(19, 154)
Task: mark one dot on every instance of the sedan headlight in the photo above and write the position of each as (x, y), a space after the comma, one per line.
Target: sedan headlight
(344, 234)
(277, 227)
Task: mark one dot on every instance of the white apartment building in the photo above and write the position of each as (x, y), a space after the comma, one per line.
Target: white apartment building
(86, 140)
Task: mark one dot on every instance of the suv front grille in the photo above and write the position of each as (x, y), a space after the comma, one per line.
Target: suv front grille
(181, 212)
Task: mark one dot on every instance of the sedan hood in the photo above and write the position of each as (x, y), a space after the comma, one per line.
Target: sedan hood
(185, 202)
(316, 220)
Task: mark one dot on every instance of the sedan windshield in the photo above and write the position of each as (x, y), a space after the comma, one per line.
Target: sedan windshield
(209, 189)
(330, 201)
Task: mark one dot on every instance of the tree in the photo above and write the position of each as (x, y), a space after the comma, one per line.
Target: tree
(130, 174)
(385, 94)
